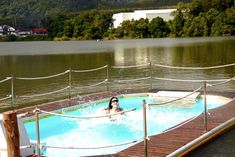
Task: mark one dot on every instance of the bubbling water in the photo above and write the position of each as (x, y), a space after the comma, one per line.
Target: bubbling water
(106, 131)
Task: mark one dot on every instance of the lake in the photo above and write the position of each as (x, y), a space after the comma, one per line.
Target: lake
(46, 58)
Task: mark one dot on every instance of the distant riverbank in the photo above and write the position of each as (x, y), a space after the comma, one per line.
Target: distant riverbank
(27, 38)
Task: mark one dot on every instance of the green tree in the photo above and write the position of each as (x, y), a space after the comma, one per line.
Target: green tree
(55, 27)
(142, 28)
(177, 24)
(128, 29)
(158, 28)
(224, 23)
(92, 24)
(68, 28)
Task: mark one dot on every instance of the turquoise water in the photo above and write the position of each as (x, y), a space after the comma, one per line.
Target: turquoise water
(70, 132)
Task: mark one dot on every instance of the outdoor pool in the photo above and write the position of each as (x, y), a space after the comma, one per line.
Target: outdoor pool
(98, 132)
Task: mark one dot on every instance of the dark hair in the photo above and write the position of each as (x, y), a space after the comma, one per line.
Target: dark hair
(110, 103)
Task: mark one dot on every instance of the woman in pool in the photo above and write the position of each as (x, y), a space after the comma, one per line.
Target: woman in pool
(113, 106)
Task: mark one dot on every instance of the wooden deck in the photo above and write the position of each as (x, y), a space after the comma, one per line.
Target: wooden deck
(166, 143)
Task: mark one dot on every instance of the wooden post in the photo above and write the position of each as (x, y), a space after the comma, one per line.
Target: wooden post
(12, 134)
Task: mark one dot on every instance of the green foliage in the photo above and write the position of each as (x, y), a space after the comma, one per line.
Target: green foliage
(36, 12)
(158, 28)
(67, 20)
(177, 24)
(92, 24)
(204, 18)
(224, 23)
(27, 38)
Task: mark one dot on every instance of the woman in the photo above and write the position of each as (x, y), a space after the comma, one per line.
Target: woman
(113, 106)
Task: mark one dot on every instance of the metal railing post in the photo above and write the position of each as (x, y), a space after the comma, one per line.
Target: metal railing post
(145, 129)
(107, 77)
(70, 83)
(151, 77)
(12, 91)
(205, 107)
(37, 134)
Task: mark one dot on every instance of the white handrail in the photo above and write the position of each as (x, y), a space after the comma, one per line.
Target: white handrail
(183, 80)
(220, 83)
(70, 116)
(43, 94)
(130, 66)
(44, 77)
(101, 147)
(8, 97)
(131, 80)
(8, 78)
(93, 85)
(195, 68)
(89, 70)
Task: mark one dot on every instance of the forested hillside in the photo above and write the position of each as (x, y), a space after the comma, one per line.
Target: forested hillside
(198, 18)
(34, 13)
(63, 21)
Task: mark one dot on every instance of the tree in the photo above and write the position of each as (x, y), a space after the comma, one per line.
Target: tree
(224, 23)
(158, 28)
(142, 28)
(55, 27)
(68, 28)
(177, 24)
(128, 29)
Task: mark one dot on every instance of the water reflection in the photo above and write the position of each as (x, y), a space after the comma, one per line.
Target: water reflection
(36, 59)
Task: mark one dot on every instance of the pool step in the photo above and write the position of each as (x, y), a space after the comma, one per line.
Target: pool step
(188, 99)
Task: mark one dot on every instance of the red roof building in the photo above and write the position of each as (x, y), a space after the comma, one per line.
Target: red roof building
(39, 31)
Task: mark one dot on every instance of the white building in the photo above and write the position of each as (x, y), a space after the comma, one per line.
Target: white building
(138, 14)
(1, 31)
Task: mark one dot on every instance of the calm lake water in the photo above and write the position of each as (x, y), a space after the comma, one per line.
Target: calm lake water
(39, 59)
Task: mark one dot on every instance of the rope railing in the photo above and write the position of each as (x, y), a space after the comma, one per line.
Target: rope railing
(132, 80)
(45, 77)
(130, 66)
(123, 67)
(195, 81)
(44, 94)
(93, 85)
(148, 65)
(83, 117)
(223, 82)
(39, 145)
(194, 68)
(170, 101)
(8, 97)
(100, 147)
(6, 79)
(89, 70)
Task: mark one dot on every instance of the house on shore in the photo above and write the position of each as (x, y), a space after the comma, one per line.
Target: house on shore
(21, 32)
(1, 31)
(146, 14)
(39, 31)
